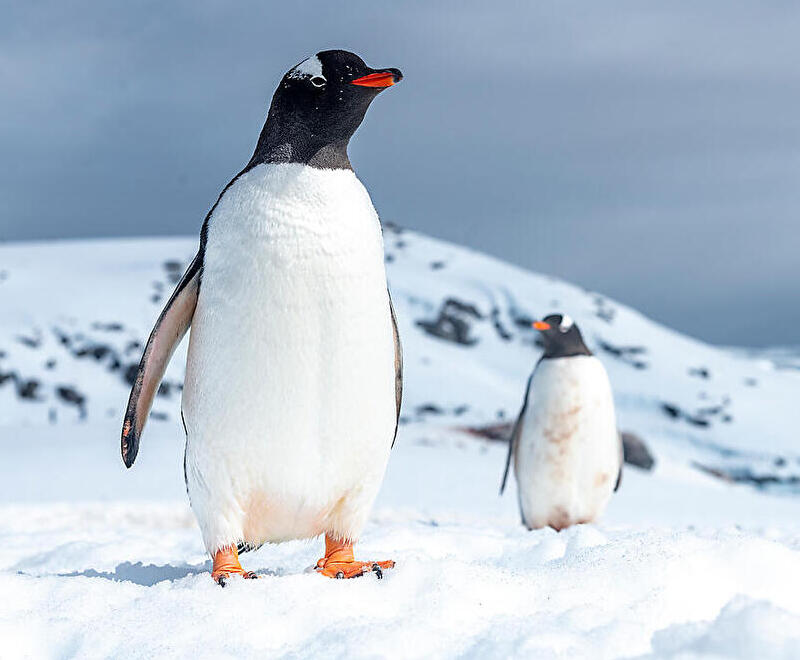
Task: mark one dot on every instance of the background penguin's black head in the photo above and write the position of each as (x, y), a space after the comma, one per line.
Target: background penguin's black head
(561, 337)
(317, 107)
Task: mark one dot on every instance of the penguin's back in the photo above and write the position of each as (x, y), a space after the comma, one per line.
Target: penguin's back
(289, 393)
(567, 458)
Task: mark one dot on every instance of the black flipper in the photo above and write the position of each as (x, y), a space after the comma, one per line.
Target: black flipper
(398, 367)
(513, 440)
(172, 324)
(621, 462)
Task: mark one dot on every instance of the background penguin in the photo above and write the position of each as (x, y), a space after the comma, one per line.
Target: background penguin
(294, 373)
(566, 448)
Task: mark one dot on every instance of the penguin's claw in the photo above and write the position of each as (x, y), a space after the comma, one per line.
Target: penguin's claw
(226, 564)
(339, 563)
(222, 578)
(341, 570)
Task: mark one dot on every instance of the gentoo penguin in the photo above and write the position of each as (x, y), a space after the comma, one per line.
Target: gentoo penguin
(294, 372)
(566, 448)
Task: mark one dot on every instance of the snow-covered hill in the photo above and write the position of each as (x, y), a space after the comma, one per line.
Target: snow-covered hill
(97, 561)
(75, 316)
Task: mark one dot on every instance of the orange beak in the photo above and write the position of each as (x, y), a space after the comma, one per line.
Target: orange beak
(378, 79)
(541, 325)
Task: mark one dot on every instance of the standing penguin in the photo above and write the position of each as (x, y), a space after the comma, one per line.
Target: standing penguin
(566, 448)
(294, 372)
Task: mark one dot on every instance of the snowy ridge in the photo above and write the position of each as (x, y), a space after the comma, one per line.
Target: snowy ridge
(76, 316)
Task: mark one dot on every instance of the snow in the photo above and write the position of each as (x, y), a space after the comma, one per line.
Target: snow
(310, 67)
(97, 561)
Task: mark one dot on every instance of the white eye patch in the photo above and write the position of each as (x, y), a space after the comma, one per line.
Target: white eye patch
(566, 323)
(308, 68)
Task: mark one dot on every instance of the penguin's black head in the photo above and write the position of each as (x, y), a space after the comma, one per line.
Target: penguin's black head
(561, 337)
(317, 107)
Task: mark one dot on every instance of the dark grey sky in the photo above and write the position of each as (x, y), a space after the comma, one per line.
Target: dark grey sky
(648, 152)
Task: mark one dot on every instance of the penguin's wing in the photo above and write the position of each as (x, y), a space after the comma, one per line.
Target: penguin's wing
(398, 367)
(513, 439)
(621, 461)
(175, 319)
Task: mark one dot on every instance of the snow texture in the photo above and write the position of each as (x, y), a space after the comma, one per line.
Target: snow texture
(699, 557)
(308, 68)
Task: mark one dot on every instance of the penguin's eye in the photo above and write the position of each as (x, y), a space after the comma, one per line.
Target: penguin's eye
(318, 81)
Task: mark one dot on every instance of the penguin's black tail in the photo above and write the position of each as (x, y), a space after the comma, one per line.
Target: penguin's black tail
(241, 547)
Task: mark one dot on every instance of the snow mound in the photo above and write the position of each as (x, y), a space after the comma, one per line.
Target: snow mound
(745, 628)
(129, 578)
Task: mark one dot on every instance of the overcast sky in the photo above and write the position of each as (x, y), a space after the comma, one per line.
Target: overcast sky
(651, 153)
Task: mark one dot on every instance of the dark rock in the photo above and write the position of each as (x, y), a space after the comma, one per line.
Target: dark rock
(700, 372)
(107, 327)
(392, 227)
(453, 323)
(174, 271)
(72, 396)
(626, 354)
(28, 389)
(499, 432)
(672, 411)
(30, 342)
(130, 373)
(636, 451)
(429, 409)
(745, 475)
(437, 265)
(603, 311)
(504, 334)
(701, 417)
(96, 351)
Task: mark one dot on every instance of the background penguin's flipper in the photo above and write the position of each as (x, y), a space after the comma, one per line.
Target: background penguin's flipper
(170, 328)
(398, 367)
(621, 461)
(513, 439)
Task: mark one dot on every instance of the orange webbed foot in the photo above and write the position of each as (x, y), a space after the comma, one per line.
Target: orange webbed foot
(340, 564)
(226, 564)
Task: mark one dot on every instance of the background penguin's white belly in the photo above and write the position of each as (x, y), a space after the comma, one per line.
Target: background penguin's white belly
(289, 393)
(567, 459)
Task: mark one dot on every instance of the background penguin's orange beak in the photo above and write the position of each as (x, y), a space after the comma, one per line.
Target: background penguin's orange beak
(379, 79)
(541, 325)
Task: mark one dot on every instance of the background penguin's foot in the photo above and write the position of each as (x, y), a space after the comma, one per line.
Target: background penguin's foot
(339, 562)
(226, 564)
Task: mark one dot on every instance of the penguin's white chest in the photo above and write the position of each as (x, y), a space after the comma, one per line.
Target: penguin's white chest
(567, 458)
(289, 394)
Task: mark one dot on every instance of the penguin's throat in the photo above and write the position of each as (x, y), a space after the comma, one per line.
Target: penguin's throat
(303, 149)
